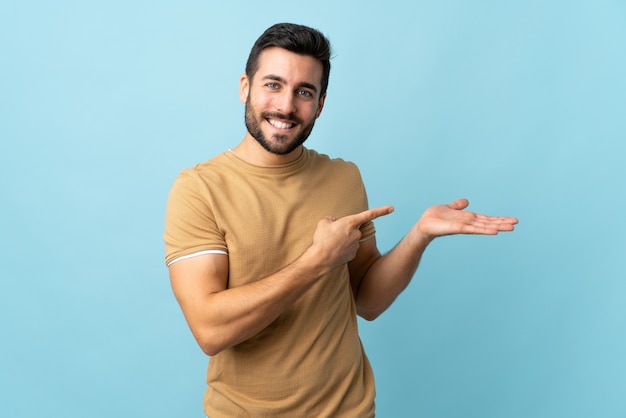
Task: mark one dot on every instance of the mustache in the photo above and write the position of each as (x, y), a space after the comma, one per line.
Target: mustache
(290, 117)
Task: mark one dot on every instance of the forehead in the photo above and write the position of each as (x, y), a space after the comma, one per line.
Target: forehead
(292, 67)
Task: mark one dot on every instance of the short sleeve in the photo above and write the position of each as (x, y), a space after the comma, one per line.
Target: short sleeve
(190, 225)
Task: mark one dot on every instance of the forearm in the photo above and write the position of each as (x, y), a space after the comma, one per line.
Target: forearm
(231, 316)
(390, 274)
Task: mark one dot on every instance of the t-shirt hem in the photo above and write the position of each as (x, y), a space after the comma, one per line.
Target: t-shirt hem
(196, 254)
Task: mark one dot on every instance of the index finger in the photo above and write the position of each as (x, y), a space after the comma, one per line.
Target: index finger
(369, 215)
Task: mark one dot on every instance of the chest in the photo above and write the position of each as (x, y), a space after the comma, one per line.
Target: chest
(269, 222)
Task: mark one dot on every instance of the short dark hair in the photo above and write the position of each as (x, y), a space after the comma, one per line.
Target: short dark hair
(295, 38)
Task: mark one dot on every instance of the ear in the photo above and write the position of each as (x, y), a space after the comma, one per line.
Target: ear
(244, 88)
(320, 106)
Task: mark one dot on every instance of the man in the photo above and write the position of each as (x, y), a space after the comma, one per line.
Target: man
(272, 253)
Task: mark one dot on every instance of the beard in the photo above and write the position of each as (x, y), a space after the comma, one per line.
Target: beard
(281, 145)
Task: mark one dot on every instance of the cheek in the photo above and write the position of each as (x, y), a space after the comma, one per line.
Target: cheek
(313, 111)
(261, 102)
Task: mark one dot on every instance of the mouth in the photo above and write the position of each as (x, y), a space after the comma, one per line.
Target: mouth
(278, 124)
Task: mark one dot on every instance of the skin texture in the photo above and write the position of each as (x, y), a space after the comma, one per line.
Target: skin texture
(282, 103)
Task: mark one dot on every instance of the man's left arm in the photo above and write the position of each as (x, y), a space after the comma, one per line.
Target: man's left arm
(377, 279)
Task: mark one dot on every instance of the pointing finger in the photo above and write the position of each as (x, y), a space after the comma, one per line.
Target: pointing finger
(369, 215)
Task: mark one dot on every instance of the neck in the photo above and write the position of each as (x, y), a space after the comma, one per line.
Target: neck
(252, 152)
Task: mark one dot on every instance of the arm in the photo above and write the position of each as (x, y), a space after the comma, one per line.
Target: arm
(377, 280)
(221, 317)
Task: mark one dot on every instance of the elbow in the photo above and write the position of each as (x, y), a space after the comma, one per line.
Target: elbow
(210, 349)
(369, 318)
(369, 315)
(373, 311)
(210, 344)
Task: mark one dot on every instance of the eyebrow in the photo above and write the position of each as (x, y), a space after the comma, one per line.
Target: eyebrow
(282, 80)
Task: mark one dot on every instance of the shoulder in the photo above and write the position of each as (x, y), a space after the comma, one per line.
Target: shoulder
(335, 173)
(206, 168)
(212, 171)
(324, 161)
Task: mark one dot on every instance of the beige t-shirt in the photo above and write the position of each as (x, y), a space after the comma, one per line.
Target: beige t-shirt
(309, 362)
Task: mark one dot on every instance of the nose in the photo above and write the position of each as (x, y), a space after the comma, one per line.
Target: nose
(286, 103)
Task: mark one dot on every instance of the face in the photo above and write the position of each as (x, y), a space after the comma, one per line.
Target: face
(282, 100)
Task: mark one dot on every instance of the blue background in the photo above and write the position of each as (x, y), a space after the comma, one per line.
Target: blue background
(519, 106)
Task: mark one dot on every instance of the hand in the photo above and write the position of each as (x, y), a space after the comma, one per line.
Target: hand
(452, 219)
(336, 241)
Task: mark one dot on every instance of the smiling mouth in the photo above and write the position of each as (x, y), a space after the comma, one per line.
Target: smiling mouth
(280, 125)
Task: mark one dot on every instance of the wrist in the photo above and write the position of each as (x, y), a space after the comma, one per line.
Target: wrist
(420, 237)
(312, 262)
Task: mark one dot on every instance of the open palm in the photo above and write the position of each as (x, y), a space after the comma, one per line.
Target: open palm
(452, 219)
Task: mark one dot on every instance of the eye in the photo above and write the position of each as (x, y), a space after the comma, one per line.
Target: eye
(305, 93)
(272, 85)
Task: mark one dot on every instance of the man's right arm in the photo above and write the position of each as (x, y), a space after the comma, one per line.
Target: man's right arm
(221, 317)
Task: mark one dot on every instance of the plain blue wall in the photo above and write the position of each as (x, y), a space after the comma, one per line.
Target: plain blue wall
(519, 106)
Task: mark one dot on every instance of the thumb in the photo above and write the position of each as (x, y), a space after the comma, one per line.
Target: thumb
(459, 204)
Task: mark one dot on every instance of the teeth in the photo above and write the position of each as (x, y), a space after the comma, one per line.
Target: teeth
(280, 125)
